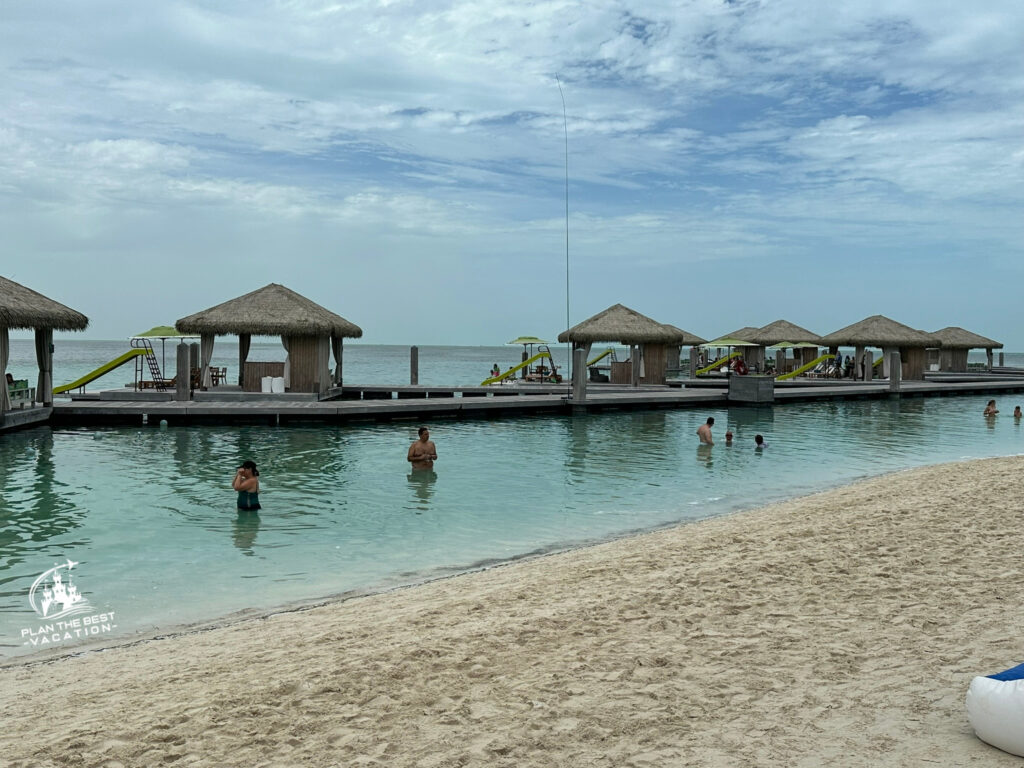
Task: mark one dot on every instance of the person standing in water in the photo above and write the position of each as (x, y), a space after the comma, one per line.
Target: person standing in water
(247, 483)
(423, 452)
(704, 431)
(990, 409)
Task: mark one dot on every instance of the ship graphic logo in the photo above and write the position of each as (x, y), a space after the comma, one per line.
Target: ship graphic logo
(53, 594)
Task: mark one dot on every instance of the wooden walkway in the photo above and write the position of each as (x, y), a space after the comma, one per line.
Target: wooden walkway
(428, 403)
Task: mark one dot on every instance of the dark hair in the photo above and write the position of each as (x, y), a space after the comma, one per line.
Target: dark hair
(711, 419)
(421, 430)
(758, 439)
(251, 465)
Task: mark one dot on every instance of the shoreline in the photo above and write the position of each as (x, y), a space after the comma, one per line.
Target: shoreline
(840, 628)
(243, 615)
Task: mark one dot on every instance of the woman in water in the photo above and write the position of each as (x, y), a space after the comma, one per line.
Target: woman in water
(990, 409)
(247, 483)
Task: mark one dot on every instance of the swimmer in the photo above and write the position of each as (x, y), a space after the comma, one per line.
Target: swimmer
(247, 483)
(728, 438)
(704, 431)
(1016, 412)
(990, 409)
(759, 442)
(423, 452)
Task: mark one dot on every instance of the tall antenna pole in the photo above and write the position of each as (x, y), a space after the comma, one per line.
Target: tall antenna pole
(565, 127)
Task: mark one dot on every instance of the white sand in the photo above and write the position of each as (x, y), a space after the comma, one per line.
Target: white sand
(841, 629)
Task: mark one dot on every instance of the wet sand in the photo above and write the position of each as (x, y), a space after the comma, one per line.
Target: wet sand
(839, 629)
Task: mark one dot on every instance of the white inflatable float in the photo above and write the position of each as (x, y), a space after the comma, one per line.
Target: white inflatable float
(995, 709)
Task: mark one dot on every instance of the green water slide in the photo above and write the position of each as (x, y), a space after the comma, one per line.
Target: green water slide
(600, 357)
(511, 371)
(805, 368)
(717, 363)
(117, 362)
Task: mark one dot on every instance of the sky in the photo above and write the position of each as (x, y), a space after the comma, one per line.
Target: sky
(404, 164)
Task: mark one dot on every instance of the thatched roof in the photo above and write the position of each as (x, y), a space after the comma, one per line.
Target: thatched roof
(624, 325)
(957, 338)
(746, 333)
(273, 310)
(879, 331)
(783, 330)
(21, 307)
(689, 339)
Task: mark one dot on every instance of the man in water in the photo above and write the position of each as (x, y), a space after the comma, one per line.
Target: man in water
(759, 442)
(704, 432)
(423, 453)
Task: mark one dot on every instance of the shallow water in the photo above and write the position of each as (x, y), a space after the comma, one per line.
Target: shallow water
(149, 515)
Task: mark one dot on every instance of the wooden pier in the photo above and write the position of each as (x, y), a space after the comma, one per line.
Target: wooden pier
(424, 403)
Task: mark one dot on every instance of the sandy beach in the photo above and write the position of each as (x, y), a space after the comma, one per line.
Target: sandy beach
(839, 629)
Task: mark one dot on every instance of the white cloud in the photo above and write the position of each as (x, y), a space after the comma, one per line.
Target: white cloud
(431, 133)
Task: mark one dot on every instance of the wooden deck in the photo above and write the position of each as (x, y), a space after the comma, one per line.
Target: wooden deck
(382, 403)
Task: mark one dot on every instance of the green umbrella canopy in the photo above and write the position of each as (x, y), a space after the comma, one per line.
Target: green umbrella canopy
(527, 340)
(165, 332)
(725, 341)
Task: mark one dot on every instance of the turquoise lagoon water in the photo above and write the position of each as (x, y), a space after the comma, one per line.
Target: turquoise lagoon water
(149, 515)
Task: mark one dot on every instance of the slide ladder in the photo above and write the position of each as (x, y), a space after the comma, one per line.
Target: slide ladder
(717, 363)
(511, 371)
(151, 361)
(805, 368)
(117, 362)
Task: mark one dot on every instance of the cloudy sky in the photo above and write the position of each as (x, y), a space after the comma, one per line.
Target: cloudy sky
(403, 163)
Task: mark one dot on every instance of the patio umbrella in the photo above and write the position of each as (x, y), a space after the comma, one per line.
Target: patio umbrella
(164, 332)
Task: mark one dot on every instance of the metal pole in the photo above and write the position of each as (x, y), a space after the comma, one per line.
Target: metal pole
(565, 128)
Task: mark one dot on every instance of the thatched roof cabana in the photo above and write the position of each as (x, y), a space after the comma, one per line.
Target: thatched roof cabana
(308, 331)
(955, 337)
(273, 310)
(22, 308)
(620, 324)
(783, 330)
(879, 331)
(955, 344)
(624, 325)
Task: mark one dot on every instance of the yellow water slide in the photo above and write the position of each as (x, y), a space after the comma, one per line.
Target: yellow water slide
(600, 357)
(117, 362)
(805, 368)
(511, 371)
(717, 364)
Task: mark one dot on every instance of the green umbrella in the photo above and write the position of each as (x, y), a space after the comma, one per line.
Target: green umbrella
(527, 340)
(164, 332)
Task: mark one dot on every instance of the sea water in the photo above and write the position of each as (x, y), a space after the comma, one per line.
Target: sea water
(149, 516)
